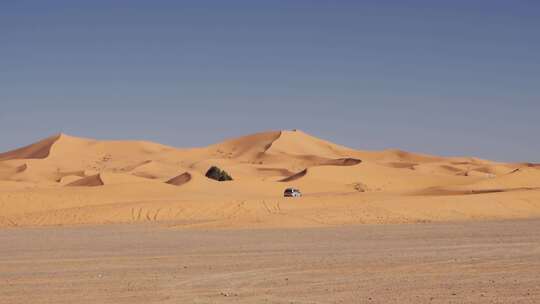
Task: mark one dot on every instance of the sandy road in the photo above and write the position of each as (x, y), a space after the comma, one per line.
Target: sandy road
(487, 262)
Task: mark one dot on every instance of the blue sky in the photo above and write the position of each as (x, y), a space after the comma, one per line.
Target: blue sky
(441, 77)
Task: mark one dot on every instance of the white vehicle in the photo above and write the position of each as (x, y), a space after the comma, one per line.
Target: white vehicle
(292, 192)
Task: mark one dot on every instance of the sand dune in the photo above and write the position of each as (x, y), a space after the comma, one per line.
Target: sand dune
(299, 143)
(7, 170)
(249, 147)
(295, 176)
(37, 150)
(89, 181)
(522, 177)
(180, 179)
(342, 162)
(21, 168)
(69, 180)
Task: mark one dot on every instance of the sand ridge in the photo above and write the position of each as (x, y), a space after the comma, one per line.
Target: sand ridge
(69, 180)
(180, 179)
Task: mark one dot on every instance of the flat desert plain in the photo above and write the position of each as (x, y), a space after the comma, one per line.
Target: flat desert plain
(90, 221)
(472, 262)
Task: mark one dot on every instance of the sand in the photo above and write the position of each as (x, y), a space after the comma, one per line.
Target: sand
(66, 180)
(90, 221)
(466, 262)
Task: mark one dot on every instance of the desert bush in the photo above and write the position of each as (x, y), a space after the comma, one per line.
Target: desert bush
(216, 173)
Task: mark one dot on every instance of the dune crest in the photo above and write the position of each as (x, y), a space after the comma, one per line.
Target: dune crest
(299, 143)
(180, 179)
(38, 150)
(342, 162)
(89, 181)
(295, 176)
(249, 147)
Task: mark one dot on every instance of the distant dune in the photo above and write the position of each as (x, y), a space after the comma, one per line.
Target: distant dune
(66, 180)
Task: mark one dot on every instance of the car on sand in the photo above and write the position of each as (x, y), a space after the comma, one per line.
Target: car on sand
(292, 192)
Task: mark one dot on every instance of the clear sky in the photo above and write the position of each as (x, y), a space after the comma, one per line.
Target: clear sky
(444, 77)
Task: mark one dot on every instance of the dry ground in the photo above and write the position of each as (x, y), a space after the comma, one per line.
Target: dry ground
(473, 262)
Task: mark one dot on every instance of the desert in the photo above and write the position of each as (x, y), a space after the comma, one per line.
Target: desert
(86, 221)
(66, 180)
(473, 262)
(269, 152)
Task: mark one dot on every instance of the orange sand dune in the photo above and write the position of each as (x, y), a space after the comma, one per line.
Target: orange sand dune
(38, 150)
(295, 176)
(89, 181)
(180, 179)
(69, 180)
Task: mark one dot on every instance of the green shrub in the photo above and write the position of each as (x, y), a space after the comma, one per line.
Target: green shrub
(216, 173)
